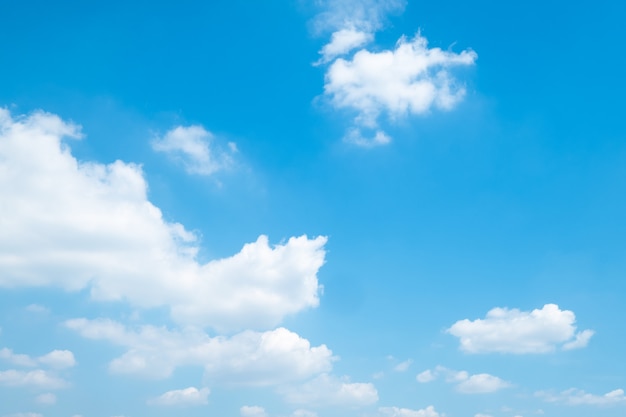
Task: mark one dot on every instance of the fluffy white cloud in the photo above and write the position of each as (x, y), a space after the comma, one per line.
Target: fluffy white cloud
(465, 383)
(410, 79)
(46, 399)
(248, 358)
(36, 379)
(579, 397)
(191, 145)
(58, 359)
(515, 331)
(252, 411)
(406, 412)
(78, 225)
(187, 396)
(482, 415)
(329, 390)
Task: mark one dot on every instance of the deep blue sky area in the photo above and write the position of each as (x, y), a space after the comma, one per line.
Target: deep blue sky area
(475, 258)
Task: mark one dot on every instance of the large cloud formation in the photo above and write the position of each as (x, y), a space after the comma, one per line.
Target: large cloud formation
(75, 225)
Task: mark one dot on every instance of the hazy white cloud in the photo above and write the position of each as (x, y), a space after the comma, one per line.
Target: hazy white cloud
(58, 359)
(36, 379)
(330, 390)
(575, 397)
(187, 396)
(403, 366)
(36, 308)
(192, 146)
(426, 376)
(406, 412)
(342, 42)
(78, 225)
(252, 411)
(366, 16)
(303, 413)
(482, 415)
(46, 399)
(248, 358)
(24, 415)
(464, 382)
(515, 331)
(17, 359)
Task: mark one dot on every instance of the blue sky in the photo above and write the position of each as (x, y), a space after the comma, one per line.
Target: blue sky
(312, 208)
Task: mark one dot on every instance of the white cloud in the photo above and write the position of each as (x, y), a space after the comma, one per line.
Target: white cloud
(36, 308)
(187, 396)
(425, 376)
(576, 397)
(329, 390)
(303, 413)
(191, 146)
(482, 415)
(78, 225)
(342, 42)
(252, 411)
(515, 331)
(406, 412)
(46, 399)
(249, 358)
(403, 366)
(410, 79)
(363, 15)
(58, 359)
(24, 415)
(17, 358)
(465, 383)
(36, 379)
(481, 384)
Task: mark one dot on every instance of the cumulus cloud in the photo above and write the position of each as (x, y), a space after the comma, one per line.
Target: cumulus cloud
(406, 412)
(247, 358)
(330, 390)
(192, 146)
(35, 379)
(24, 415)
(303, 413)
(77, 225)
(187, 396)
(575, 397)
(513, 331)
(252, 411)
(465, 383)
(46, 399)
(410, 79)
(59, 359)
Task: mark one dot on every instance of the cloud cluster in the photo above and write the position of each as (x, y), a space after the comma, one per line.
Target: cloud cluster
(192, 146)
(248, 358)
(513, 331)
(410, 79)
(77, 225)
(39, 379)
(464, 382)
